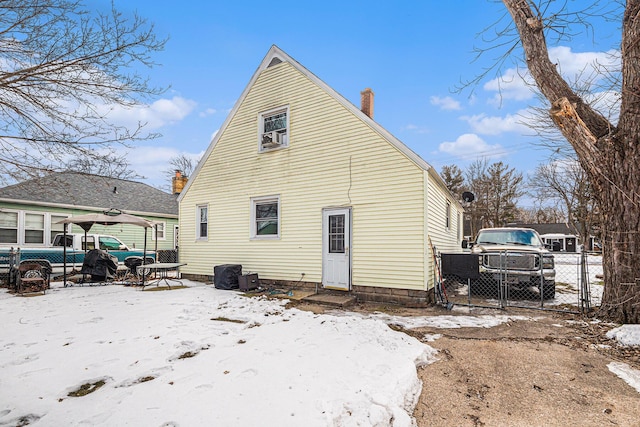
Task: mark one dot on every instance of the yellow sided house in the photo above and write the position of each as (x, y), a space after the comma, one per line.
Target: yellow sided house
(305, 189)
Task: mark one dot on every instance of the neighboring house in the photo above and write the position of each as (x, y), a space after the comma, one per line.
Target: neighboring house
(560, 237)
(305, 189)
(30, 210)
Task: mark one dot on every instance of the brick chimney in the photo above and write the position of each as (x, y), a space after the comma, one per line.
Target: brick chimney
(366, 102)
(178, 182)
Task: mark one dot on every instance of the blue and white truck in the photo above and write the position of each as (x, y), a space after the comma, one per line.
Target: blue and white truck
(76, 247)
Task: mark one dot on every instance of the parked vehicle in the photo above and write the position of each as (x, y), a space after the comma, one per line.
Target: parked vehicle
(76, 247)
(516, 258)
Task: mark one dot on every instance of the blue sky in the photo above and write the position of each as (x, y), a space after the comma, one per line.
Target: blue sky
(413, 54)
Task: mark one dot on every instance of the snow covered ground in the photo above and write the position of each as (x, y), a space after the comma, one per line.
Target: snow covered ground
(568, 274)
(202, 356)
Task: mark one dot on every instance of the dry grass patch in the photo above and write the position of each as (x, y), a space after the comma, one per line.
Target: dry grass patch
(86, 388)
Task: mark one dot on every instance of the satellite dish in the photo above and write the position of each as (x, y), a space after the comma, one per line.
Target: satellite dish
(468, 196)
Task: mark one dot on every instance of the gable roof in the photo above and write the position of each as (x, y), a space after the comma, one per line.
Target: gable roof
(275, 56)
(91, 192)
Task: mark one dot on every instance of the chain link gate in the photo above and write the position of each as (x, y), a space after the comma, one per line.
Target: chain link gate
(523, 279)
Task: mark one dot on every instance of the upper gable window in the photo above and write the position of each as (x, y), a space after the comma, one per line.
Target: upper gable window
(273, 129)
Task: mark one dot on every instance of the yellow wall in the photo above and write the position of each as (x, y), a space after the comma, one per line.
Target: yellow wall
(445, 239)
(334, 159)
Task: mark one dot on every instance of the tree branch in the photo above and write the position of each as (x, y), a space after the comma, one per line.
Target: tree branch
(545, 73)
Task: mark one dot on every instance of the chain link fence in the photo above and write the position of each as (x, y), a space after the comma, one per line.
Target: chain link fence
(568, 282)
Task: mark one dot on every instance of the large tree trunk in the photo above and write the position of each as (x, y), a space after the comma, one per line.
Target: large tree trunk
(621, 249)
(609, 154)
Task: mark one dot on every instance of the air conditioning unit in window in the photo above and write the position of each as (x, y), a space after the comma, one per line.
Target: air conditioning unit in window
(272, 139)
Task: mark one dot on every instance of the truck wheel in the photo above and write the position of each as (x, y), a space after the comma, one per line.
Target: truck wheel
(549, 291)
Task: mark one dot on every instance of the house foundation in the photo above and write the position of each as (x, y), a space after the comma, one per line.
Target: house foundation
(401, 297)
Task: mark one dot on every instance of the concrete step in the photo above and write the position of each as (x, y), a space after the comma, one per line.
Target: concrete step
(336, 300)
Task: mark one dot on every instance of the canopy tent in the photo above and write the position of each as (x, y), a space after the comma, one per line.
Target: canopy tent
(108, 217)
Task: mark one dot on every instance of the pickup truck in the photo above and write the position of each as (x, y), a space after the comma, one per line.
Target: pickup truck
(517, 258)
(75, 251)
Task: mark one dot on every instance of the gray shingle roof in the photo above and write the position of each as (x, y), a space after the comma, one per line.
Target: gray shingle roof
(84, 190)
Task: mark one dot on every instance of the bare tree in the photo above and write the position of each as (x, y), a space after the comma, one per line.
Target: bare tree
(607, 151)
(182, 163)
(541, 214)
(110, 166)
(62, 69)
(566, 182)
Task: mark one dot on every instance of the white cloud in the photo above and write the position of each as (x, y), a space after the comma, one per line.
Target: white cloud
(583, 66)
(470, 145)
(513, 84)
(446, 103)
(581, 69)
(495, 125)
(156, 115)
(208, 112)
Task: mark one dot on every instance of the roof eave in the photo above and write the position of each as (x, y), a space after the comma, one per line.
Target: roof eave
(85, 208)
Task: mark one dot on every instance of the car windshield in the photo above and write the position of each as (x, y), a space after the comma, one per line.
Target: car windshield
(513, 237)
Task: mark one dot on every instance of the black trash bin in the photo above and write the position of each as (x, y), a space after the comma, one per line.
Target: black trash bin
(226, 276)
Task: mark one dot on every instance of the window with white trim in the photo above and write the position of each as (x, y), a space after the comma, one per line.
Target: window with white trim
(273, 129)
(159, 230)
(265, 217)
(34, 228)
(8, 227)
(448, 216)
(202, 222)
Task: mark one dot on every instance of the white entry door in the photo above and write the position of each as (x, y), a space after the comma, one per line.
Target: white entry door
(336, 258)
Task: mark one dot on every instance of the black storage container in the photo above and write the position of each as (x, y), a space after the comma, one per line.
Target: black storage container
(465, 266)
(248, 282)
(226, 276)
